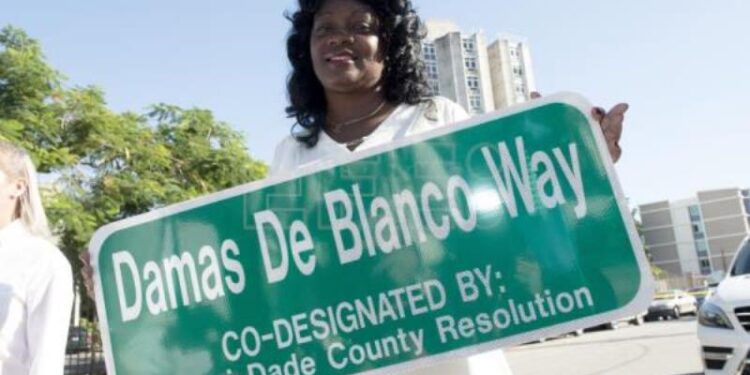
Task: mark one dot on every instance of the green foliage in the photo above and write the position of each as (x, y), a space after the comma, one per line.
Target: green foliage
(30, 99)
(658, 273)
(105, 166)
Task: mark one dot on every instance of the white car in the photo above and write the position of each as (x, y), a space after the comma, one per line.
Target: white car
(672, 304)
(724, 320)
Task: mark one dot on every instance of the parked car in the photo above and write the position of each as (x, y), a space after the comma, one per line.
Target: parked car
(724, 320)
(700, 294)
(672, 304)
(635, 320)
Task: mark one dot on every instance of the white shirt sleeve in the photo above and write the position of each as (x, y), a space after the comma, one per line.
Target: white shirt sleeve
(284, 157)
(48, 318)
(451, 111)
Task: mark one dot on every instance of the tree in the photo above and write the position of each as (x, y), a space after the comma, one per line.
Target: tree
(31, 112)
(103, 166)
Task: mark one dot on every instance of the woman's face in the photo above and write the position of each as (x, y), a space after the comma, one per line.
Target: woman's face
(345, 46)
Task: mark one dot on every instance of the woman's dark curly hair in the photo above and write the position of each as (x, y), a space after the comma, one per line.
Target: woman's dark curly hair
(404, 81)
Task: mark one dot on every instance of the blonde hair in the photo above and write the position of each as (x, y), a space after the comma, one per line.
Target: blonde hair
(16, 163)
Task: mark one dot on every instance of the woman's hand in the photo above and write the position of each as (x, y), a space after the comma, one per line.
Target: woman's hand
(611, 123)
(88, 273)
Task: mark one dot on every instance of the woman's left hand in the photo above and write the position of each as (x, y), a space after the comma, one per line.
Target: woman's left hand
(611, 124)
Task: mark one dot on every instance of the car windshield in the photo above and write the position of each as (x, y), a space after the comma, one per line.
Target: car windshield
(742, 263)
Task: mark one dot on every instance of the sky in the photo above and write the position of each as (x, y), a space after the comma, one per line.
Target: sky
(682, 65)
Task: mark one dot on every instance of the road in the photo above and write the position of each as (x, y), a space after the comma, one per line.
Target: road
(664, 347)
(658, 348)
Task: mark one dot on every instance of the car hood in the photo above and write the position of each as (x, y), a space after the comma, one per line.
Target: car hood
(734, 289)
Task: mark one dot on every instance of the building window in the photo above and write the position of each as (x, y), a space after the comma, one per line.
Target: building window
(695, 213)
(468, 45)
(429, 52)
(472, 82)
(470, 63)
(432, 71)
(517, 71)
(701, 248)
(434, 87)
(698, 232)
(705, 266)
(475, 102)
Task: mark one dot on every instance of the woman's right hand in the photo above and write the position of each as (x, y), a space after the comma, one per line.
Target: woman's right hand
(88, 273)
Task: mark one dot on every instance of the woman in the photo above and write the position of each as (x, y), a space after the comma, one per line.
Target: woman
(36, 283)
(358, 82)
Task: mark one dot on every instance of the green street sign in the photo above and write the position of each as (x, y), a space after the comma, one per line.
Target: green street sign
(496, 231)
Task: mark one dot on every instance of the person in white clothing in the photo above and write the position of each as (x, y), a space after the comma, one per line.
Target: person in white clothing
(358, 82)
(36, 282)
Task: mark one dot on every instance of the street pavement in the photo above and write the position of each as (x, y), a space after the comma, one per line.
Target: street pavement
(662, 347)
(658, 348)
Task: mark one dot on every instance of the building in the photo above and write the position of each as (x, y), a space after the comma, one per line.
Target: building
(698, 235)
(478, 76)
(510, 68)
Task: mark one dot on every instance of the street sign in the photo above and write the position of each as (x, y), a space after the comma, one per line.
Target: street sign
(496, 231)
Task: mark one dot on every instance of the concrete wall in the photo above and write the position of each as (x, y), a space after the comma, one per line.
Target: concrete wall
(451, 68)
(485, 81)
(726, 223)
(500, 73)
(654, 219)
(659, 237)
(723, 250)
(684, 238)
(528, 69)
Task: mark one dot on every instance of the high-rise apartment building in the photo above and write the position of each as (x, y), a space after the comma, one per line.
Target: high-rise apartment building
(698, 235)
(478, 76)
(510, 67)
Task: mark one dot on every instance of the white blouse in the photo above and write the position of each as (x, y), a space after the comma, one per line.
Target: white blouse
(36, 297)
(405, 120)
